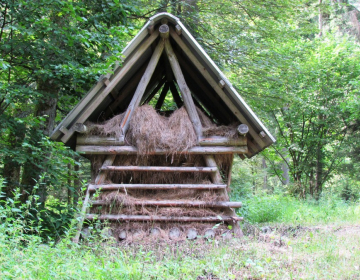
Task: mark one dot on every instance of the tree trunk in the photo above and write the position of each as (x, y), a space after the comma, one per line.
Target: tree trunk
(46, 108)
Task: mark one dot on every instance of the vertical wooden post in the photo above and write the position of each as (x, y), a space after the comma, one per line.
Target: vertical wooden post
(98, 181)
(216, 178)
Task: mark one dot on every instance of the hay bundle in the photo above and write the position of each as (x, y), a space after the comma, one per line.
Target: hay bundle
(149, 131)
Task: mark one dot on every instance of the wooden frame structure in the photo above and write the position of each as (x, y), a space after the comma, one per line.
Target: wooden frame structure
(164, 56)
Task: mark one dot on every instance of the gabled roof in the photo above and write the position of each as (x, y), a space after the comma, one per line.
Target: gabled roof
(210, 88)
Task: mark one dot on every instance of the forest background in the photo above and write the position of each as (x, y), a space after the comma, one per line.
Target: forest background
(296, 63)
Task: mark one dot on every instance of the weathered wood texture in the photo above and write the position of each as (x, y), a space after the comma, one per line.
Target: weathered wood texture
(142, 86)
(129, 150)
(174, 203)
(161, 169)
(161, 218)
(204, 141)
(215, 85)
(184, 89)
(84, 113)
(216, 179)
(99, 180)
(112, 187)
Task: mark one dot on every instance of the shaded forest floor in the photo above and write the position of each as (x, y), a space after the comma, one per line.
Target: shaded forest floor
(330, 251)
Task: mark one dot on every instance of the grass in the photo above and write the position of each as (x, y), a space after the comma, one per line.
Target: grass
(325, 252)
(309, 240)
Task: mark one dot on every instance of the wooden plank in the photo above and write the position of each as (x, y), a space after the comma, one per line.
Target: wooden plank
(173, 203)
(161, 169)
(112, 187)
(184, 89)
(222, 141)
(215, 86)
(142, 87)
(100, 97)
(160, 218)
(130, 150)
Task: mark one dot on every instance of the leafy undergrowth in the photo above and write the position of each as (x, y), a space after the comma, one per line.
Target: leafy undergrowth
(286, 209)
(325, 252)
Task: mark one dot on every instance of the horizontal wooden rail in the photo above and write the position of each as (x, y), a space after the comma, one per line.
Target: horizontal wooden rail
(115, 141)
(161, 218)
(161, 169)
(222, 141)
(112, 187)
(174, 203)
(128, 150)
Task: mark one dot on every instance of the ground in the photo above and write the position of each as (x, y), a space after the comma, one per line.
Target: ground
(329, 251)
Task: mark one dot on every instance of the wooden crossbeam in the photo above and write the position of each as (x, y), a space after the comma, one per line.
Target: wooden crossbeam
(174, 203)
(130, 150)
(160, 169)
(142, 87)
(184, 89)
(215, 86)
(162, 96)
(161, 218)
(204, 141)
(85, 114)
(155, 91)
(113, 187)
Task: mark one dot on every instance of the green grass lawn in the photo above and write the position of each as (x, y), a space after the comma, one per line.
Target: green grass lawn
(308, 241)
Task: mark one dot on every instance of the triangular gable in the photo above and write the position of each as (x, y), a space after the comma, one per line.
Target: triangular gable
(207, 84)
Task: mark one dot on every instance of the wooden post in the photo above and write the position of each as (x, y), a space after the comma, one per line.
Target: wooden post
(99, 180)
(175, 95)
(184, 89)
(155, 91)
(141, 87)
(216, 178)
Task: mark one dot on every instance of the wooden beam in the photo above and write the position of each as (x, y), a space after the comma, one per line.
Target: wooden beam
(141, 87)
(99, 140)
(130, 150)
(99, 180)
(175, 95)
(184, 89)
(161, 169)
(164, 31)
(160, 218)
(115, 141)
(85, 114)
(112, 187)
(222, 141)
(212, 102)
(215, 86)
(216, 179)
(155, 91)
(125, 91)
(173, 203)
(162, 96)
